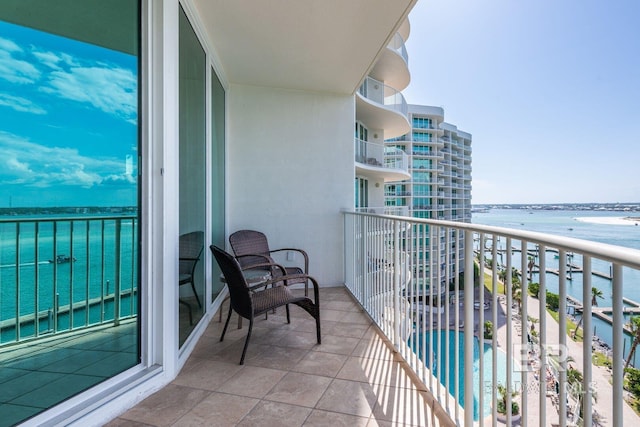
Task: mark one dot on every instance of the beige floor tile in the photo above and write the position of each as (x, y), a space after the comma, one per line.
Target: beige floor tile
(320, 363)
(372, 371)
(348, 397)
(274, 357)
(275, 414)
(218, 409)
(319, 418)
(337, 345)
(119, 422)
(166, 406)
(401, 406)
(373, 348)
(206, 374)
(300, 389)
(353, 330)
(253, 381)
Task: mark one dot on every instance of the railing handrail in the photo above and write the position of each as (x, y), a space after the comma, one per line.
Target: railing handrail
(79, 217)
(619, 254)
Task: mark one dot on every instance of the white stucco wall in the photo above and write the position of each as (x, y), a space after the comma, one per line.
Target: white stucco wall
(290, 171)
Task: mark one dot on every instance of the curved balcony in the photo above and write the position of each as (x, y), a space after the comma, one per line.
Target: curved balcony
(392, 66)
(382, 107)
(388, 164)
(405, 29)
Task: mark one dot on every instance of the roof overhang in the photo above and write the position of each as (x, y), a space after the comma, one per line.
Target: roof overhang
(312, 45)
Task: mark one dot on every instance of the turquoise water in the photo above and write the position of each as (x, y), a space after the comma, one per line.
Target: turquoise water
(564, 223)
(90, 276)
(445, 372)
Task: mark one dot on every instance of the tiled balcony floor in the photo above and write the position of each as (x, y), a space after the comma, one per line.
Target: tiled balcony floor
(351, 379)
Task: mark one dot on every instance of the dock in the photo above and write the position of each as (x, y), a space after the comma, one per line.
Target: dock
(604, 313)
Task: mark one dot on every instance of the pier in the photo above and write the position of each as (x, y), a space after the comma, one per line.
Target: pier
(604, 313)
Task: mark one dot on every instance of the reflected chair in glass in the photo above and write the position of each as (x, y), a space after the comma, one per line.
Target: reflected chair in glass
(251, 247)
(191, 246)
(250, 301)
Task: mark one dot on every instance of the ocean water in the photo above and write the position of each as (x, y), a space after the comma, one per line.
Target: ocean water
(565, 223)
(29, 278)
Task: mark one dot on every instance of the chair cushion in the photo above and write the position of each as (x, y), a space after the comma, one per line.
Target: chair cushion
(271, 298)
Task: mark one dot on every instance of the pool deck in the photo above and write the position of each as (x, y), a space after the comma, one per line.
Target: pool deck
(600, 375)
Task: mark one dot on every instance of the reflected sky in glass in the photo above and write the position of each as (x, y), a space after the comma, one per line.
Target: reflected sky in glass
(68, 122)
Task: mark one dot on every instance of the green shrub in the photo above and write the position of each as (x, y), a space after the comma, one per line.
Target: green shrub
(534, 289)
(553, 301)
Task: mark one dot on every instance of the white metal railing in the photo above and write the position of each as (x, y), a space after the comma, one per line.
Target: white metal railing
(391, 264)
(385, 95)
(377, 155)
(386, 210)
(66, 273)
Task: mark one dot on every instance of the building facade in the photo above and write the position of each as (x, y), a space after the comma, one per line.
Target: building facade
(440, 184)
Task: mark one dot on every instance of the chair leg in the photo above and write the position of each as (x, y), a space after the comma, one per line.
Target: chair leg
(189, 307)
(318, 328)
(246, 343)
(224, 330)
(288, 317)
(193, 286)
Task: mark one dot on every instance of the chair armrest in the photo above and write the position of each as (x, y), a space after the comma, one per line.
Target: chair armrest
(301, 251)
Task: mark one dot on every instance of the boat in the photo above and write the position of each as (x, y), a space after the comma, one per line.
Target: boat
(62, 259)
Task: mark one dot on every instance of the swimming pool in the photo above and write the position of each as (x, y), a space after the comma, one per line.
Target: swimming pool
(443, 374)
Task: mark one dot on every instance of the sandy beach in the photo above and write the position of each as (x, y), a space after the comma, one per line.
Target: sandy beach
(611, 220)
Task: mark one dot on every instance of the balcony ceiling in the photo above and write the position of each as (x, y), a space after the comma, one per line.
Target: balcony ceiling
(315, 45)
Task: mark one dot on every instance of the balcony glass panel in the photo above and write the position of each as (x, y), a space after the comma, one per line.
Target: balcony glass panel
(69, 192)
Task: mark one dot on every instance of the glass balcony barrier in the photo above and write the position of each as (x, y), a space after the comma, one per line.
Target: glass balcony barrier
(397, 44)
(378, 92)
(372, 154)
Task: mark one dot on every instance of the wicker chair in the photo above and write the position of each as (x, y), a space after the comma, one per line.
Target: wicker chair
(191, 246)
(250, 302)
(251, 247)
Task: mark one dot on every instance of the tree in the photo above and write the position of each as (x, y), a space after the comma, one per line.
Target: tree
(634, 325)
(534, 289)
(502, 401)
(595, 294)
(530, 265)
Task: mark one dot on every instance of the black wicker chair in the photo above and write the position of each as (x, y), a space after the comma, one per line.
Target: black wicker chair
(249, 302)
(191, 246)
(251, 247)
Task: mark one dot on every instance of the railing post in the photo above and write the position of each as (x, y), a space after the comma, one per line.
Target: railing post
(468, 330)
(587, 339)
(116, 297)
(396, 284)
(618, 338)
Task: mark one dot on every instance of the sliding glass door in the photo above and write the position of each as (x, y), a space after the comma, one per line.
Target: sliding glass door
(69, 199)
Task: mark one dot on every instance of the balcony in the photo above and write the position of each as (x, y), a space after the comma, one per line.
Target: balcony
(389, 164)
(392, 66)
(355, 364)
(382, 106)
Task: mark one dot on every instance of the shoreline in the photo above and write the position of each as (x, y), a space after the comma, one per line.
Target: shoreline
(610, 220)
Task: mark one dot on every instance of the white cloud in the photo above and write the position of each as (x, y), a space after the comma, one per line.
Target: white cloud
(110, 89)
(20, 104)
(37, 165)
(107, 87)
(14, 69)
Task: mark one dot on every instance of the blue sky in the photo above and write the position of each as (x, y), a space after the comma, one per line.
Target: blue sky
(550, 91)
(68, 114)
